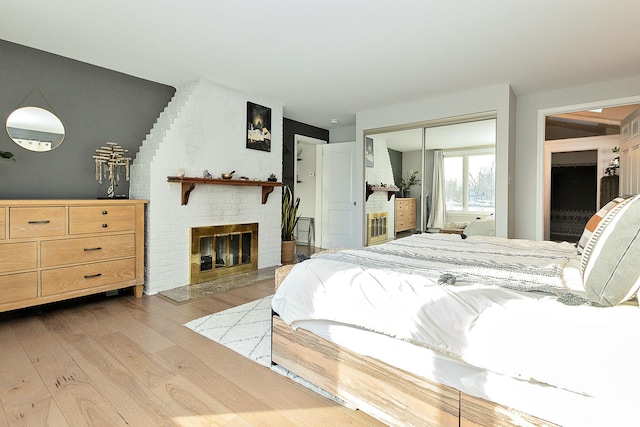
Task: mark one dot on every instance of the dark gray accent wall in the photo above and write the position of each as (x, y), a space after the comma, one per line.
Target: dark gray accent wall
(396, 165)
(290, 128)
(96, 105)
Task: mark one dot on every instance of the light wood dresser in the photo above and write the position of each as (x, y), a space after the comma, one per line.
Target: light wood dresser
(51, 250)
(405, 214)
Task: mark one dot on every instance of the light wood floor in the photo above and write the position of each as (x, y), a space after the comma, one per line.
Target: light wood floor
(119, 360)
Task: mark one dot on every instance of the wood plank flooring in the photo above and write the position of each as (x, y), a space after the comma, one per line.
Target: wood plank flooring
(122, 361)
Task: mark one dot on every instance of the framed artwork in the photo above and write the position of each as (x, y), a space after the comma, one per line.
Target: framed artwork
(368, 152)
(258, 127)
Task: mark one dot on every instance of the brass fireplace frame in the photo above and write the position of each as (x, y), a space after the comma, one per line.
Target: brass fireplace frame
(377, 228)
(197, 233)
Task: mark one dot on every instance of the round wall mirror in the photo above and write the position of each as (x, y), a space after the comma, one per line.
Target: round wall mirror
(35, 129)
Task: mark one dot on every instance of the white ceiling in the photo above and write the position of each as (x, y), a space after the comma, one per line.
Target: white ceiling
(329, 59)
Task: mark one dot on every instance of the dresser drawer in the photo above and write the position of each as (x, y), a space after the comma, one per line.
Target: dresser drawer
(18, 287)
(18, 256)
(101, 219)
(67, 279)
(37, 222)
(86, 249)
(3, 223)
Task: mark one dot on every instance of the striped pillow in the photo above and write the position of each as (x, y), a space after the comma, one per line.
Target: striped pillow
(595, 220)
(610, 261)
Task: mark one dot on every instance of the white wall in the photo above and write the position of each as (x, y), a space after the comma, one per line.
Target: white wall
(342, 134)
(204, 127)
(499, 99)
(529, 211)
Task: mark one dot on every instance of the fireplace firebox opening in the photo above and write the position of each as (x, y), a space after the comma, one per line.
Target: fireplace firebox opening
(223, 250)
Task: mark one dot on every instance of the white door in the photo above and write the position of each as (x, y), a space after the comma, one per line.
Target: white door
(338, 198)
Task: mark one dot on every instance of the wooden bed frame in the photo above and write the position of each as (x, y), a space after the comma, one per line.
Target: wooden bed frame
(393, 396)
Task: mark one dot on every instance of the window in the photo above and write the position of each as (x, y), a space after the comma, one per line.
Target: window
(470, 181)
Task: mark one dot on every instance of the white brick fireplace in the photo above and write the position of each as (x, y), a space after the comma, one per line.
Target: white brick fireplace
(204, 127)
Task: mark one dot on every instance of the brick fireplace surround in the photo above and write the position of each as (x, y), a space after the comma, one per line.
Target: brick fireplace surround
(204, 127)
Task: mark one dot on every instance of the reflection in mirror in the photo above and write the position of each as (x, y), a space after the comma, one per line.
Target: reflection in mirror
(467, 188)
(35, 129)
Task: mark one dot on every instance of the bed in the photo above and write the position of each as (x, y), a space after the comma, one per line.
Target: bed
(437, 330)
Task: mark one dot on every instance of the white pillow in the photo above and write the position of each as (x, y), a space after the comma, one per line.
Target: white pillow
(481, 227)
(593, 222)
(610, 262)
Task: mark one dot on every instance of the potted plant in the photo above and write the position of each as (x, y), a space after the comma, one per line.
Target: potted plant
(289, 220)
(272, 178)
(405, 185)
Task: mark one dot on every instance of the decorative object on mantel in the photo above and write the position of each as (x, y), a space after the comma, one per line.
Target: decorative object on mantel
(206, 174)
(181, 172)
(228, 175)
(272, 178)
(189, 183)
(110, 161)
(390, 190)
(290, 218)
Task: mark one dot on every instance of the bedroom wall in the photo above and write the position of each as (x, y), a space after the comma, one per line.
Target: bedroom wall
(530, 145)
(342, 134)
(396, 165)
(95, 105)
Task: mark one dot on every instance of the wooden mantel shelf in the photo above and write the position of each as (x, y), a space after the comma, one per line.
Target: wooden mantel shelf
(389, 190)
(189, 183)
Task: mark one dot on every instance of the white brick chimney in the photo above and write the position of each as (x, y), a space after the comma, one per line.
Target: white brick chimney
(204, 127)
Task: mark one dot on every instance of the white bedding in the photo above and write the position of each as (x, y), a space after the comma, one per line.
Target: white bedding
(524, 335)
(515, 263)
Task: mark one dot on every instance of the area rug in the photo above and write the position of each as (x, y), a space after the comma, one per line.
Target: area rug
(246, 329)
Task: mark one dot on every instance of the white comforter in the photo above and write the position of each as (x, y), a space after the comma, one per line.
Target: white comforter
(526, 335)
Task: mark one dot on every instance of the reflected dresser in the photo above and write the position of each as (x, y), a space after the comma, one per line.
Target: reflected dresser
(405, 214)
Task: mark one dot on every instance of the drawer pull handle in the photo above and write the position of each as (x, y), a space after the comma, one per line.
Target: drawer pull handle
(91, 276)
(46, 221)
(104, 212)
(92, 249)
(104, 225)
